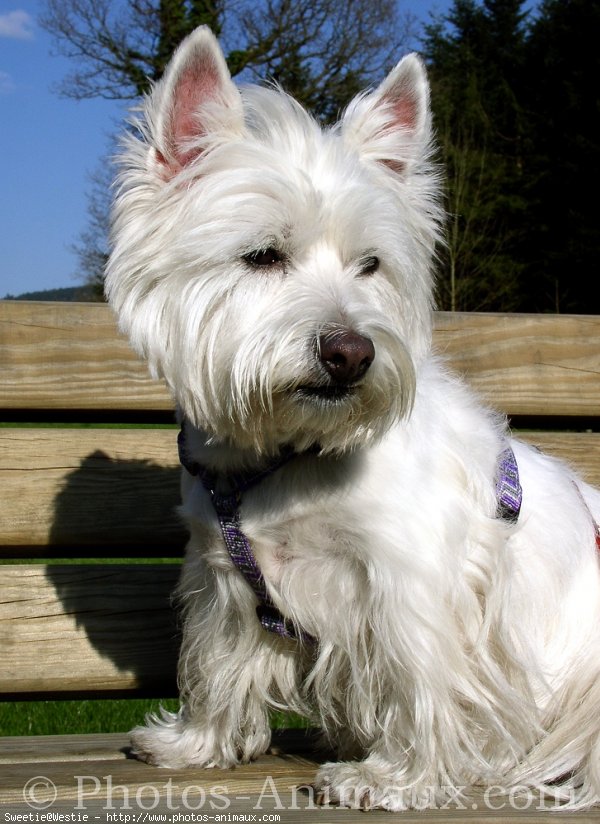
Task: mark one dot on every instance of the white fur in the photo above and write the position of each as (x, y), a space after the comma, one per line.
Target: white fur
(452, 648)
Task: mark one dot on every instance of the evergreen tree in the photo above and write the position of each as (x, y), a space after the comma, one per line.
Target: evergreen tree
(476, 57)
(563, 67)
(516, 105)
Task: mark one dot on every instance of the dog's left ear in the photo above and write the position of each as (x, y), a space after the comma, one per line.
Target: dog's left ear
(392, 125)
(194, 103)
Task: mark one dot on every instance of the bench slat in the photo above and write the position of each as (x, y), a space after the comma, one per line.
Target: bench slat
(90, 490)
(114, 492)
(136, 791)
(70, 357)
(530, 365)
(37, 749)
(579, 449)
(101, 781)
(87, 628)
(94, 780)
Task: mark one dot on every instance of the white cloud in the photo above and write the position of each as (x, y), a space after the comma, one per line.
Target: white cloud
(17, 24)
(7, 84)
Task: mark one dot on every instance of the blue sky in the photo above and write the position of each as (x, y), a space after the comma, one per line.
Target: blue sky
(49, 147)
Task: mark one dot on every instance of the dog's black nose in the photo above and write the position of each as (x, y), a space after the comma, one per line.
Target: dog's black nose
(346, 355)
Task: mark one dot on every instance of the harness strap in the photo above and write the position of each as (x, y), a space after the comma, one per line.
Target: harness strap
(509, 494)
(227, 508)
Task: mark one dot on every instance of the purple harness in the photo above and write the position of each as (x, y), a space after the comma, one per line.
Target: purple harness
(509, 494)
(227, 508)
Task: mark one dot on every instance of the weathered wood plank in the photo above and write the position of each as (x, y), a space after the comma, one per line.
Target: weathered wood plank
(579, 449)
(70, 356)
(88, 628)
(127, 784)
(90, 490)
(37, 749)
(115, 491)
(275, 783)
(114, 746)
(526, 364)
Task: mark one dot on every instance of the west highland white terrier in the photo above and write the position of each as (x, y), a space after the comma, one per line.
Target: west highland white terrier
(369, 547)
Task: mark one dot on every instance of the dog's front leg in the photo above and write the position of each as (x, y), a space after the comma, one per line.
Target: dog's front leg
(228, 668)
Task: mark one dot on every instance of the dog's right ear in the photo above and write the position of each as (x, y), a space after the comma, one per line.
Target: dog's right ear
(392, 125)
(194, 102)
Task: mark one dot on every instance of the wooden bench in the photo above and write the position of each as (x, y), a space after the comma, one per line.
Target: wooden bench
(105, 627)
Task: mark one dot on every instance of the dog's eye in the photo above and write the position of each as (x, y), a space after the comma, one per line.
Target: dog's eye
(264, 257)
(369, 264)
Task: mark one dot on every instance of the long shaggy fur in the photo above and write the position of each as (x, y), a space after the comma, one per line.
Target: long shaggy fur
(451, 647)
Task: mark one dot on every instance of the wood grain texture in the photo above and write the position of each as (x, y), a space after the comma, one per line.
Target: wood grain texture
(581, 450)
(87, 628)
(66, 757)
(41, 749)
(92, 775)
(114, 492)
(70, 356)
(526, 364)
(90, 490)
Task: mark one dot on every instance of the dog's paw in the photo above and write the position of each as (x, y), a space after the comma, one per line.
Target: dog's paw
(170, 740)
(176, 740)
(358, 785)
(377, 784)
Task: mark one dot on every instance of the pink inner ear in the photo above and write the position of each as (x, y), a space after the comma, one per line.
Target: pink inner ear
(196, 85)
(404, 106)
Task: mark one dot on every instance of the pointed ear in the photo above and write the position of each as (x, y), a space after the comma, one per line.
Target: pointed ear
(392, 125)
(194, 99)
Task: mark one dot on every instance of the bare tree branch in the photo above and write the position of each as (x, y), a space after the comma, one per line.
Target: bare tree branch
(120, 48)
(323, 52)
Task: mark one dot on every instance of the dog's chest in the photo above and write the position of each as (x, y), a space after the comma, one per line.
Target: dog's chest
(308, 563)
(294, 545)
(302, 544)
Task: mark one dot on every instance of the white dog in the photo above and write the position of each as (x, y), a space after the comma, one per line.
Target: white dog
(368, 547)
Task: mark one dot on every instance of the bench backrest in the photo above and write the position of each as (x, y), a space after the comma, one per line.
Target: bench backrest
(105, 493)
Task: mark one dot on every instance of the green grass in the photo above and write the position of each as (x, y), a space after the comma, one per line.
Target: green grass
(89, 716)
(84, 425)
(83, 716)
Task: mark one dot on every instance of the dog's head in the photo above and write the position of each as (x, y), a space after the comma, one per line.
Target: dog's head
(278, 275)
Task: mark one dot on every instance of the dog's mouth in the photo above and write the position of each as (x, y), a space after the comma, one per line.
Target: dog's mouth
(327, 393)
